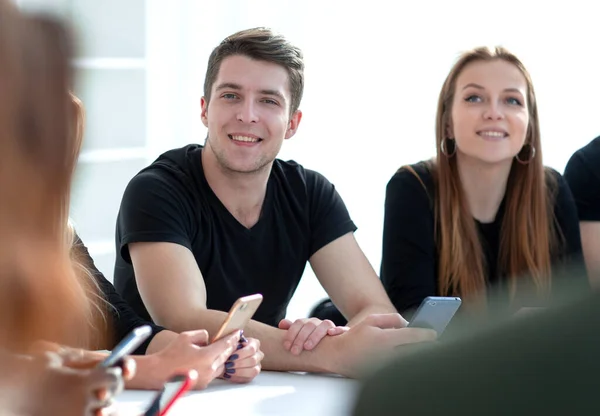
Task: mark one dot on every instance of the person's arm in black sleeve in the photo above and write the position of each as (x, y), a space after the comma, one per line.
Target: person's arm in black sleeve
(408, 254)
(582, 173)
(583, 179)
(338, 262)
(122, 317)
(570, 263)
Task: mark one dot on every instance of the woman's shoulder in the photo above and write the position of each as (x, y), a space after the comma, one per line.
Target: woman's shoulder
(417, 173)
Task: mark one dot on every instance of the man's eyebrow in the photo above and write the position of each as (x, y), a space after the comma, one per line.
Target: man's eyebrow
(228, 86)
(276, 93)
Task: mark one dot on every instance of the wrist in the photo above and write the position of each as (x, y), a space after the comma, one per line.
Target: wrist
(151, 373)
(326, 356)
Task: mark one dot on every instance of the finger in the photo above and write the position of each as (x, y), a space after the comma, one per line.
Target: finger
(318, 334)
(80, 363)
(100, 399)
(248, 350)
(284, 324)
(198, 337)
(106, 378)
(49, 359)
(128, 367)
(223, 348)
(243, 375)
(307, 329)
(337, 330)
(386, 320)
(402, 336)
(247, 362)
(292, 333)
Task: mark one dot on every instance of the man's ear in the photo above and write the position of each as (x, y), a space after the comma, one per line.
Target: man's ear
(204, 113)
(293, 124)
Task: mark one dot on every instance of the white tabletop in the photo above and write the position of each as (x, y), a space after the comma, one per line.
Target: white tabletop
(271, 393)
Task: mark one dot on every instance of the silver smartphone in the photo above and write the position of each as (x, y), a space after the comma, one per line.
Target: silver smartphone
(127, 345)
(435, 312)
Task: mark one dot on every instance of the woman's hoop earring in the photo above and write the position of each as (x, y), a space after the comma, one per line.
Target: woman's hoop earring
(448, 147)
(526, 154)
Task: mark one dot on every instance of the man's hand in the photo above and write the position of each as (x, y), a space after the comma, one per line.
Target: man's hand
(305, 334)
(375, 336)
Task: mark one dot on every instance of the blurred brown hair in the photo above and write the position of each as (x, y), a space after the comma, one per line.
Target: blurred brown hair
(40, 297)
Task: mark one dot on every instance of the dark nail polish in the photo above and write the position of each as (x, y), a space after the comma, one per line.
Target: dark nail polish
(230, 371)
(240, 346)
(233, 357)
(243, 339)
(226, 375)
(229, 364)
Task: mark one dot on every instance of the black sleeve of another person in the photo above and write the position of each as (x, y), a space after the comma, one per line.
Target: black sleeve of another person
(409, 255)
(542, 364)
(582, 173)
(122, 317)
(570, 268)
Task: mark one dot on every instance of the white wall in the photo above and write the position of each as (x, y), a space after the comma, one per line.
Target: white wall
(374, 69)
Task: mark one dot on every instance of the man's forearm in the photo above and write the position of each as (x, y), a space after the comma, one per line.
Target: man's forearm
(372, 309)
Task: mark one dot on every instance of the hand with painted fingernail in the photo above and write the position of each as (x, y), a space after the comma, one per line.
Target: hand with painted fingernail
(245, 363)
(306, 333)
(190, 350)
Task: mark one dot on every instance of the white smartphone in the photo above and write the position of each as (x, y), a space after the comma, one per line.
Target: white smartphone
(127, 345)
(435, 312)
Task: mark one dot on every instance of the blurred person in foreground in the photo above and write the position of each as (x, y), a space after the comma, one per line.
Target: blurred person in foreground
(40, 297)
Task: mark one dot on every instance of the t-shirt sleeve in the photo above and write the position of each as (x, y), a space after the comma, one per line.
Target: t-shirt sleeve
(329, 217)
(408, 253)
(584, 182)
(121, 315)
(571, 265)
(154, 208)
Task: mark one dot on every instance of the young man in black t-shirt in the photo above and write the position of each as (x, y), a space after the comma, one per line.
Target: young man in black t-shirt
(204, 225)
(583, 176)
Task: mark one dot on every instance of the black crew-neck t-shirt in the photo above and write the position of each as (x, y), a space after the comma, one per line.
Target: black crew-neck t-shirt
(409, 266)
(171, 201)
(582, 173)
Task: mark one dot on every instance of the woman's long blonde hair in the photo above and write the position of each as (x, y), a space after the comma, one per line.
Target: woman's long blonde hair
(100, 336)
(528, 236)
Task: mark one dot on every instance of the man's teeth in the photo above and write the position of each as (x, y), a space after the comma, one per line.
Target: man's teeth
(492, 133)
(244, 139)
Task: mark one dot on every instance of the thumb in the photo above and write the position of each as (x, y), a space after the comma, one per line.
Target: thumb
(337, 330)
(385, 321)
(285, 324)
(79, 362)
(198, 337)
(222, 349)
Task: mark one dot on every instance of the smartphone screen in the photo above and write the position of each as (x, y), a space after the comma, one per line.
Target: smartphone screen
(127, 345)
